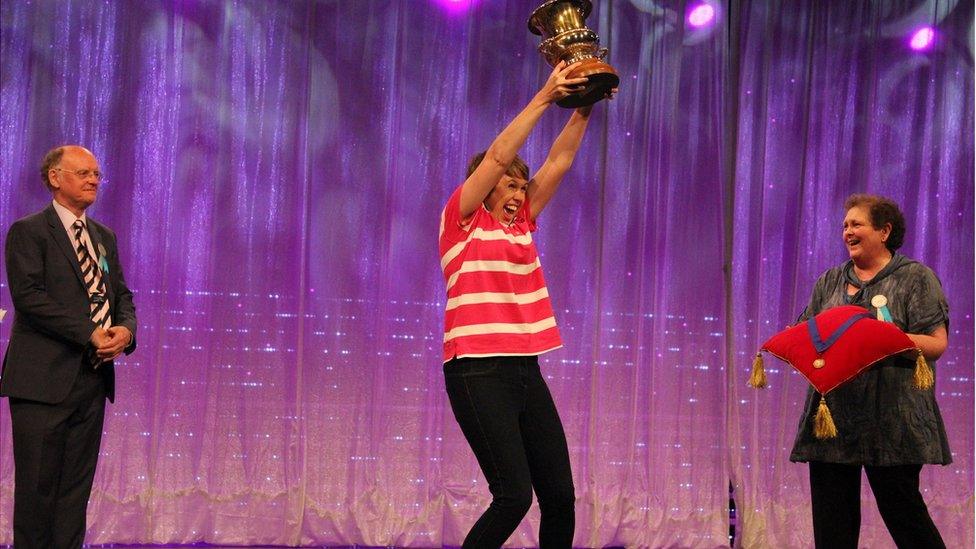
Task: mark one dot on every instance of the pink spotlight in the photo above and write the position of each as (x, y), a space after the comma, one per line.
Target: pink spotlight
(701, 15)
(922, 39)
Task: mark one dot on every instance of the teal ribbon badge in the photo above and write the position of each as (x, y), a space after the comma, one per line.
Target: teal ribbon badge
(102, 262)
(880, 303)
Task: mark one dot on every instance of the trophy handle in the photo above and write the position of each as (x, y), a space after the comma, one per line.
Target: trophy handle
(602, 53)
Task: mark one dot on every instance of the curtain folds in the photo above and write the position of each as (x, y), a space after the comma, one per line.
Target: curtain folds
(275, 173)
(833, 101)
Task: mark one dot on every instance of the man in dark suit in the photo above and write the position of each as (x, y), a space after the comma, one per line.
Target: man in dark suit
(73, 315)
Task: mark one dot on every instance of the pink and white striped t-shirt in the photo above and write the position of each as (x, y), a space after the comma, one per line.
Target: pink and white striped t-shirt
(497, 301)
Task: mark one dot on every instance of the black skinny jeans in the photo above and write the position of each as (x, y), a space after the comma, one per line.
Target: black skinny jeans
(507, 415)
(835, 490)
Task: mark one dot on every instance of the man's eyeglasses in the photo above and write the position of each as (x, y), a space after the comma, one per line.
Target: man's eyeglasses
(83, 174)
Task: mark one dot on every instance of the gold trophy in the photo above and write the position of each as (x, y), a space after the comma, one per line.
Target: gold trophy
(562, 25)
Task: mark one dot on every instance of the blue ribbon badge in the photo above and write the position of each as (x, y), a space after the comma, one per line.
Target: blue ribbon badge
(880, 303)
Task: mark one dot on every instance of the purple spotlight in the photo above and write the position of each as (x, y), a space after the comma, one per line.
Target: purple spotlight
(701, 15)
(922, 39)
(456, 6)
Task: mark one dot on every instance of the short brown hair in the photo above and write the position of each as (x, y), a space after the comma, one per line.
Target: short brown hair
(52, 157)
(882, 211)
(518, 167)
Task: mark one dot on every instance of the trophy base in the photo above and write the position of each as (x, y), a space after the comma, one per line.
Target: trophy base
(601, 78)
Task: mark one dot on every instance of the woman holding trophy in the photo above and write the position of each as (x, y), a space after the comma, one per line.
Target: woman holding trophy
(499, 319)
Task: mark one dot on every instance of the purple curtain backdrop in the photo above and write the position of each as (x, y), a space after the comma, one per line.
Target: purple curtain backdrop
(275, 175)
(831, 101)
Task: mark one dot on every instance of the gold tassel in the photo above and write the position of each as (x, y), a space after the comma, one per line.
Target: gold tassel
(823, 422)
(758, 377)
(924, 377)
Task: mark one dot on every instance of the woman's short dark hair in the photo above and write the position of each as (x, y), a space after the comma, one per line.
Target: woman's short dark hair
(518, 168)
(882, 211)
(52, 157)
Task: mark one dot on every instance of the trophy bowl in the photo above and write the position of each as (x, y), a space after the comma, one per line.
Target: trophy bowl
(565, 37)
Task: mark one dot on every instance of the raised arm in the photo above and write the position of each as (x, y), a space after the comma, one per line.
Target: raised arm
(557, 163)
(503, 149)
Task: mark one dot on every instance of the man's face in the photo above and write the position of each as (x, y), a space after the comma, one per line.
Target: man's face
(75, 179)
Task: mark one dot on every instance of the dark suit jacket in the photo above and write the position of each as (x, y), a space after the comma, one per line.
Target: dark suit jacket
(52, 324)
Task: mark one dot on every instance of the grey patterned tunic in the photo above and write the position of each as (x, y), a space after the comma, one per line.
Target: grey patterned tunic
(880, 417)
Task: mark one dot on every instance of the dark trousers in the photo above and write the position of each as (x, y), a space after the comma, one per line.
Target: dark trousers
(507, 415)
(835, 490)
(55, 451)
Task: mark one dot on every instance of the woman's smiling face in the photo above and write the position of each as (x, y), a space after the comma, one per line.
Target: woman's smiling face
(507, 198)
(863, 241)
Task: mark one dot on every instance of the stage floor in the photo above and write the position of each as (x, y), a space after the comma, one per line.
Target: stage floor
(206, 546)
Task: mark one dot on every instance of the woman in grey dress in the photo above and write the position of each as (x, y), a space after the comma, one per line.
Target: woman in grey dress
(886, 426)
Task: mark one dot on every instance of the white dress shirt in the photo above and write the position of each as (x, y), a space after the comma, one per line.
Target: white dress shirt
(68, 220)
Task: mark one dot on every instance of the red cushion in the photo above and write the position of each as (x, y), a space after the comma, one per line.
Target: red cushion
(861, 344)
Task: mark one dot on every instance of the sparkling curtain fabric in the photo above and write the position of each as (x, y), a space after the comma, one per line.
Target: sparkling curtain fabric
(275, 173)
(833, 101)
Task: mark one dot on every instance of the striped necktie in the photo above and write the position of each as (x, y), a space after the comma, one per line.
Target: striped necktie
(100, 313)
